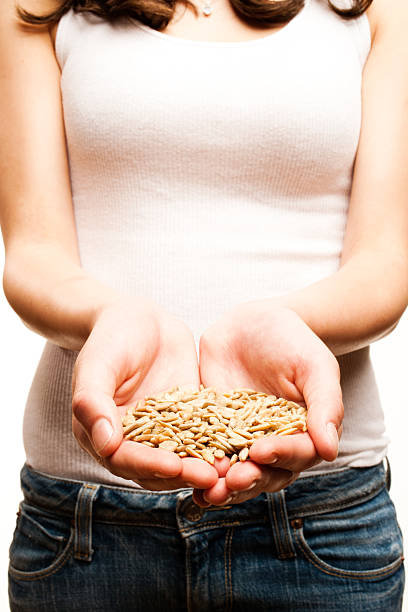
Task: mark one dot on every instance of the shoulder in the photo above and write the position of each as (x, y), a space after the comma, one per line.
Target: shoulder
(52, 29)
(10, 21)
(22, 45)
(386, 70)
(8, 8)
(388, 19)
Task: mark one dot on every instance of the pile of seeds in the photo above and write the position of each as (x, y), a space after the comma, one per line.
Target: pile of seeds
(207, 424)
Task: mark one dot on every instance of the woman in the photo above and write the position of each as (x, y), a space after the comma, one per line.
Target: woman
(230, 178)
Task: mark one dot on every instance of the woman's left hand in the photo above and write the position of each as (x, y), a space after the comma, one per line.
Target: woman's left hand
(267, 347)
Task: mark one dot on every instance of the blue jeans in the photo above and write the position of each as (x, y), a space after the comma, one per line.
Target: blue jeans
(326, 543)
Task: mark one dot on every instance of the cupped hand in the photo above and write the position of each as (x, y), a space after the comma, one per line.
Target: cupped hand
(266, 347)
(135, 349)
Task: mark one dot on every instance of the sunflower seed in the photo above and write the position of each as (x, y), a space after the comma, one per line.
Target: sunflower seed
(207, 424)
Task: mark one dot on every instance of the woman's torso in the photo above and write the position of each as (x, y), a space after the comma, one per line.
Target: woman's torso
(204, 174)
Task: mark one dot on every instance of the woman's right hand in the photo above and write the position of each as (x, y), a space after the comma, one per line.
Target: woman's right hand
(135, 349)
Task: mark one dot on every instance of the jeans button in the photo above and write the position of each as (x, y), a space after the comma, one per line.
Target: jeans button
(194, 513)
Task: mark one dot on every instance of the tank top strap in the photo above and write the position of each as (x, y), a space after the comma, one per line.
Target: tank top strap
(70, 27)
(61, 47)
(360, 32)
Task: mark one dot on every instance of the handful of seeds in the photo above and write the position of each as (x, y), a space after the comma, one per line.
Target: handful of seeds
(207, 424)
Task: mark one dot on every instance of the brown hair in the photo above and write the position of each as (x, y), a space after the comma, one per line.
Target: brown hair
(158, 13)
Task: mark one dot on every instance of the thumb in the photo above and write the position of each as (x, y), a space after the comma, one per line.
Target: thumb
(321, 390)
(93, 405)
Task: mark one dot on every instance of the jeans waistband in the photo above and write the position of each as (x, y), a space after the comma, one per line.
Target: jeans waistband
(306, 496)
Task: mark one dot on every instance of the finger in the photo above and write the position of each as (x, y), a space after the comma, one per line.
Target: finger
(268, 479)
(135, 461)
(319, 383)
(194, 472)
(98, 415)
(85, 443)
(83, 439)
(169, 484)
(217, 495)
(272, 480)
(160, 484)
(197, 473)
(222, 466)
(248, 475)
(242, 475)
(296, 452)
(93, 389)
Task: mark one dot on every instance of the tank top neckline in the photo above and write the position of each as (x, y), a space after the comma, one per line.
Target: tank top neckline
(227, 44)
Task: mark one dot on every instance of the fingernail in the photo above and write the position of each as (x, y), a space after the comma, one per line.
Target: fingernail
(252, 486)
(332, 434)
(160, 475)
(102, 432)
(274, 459)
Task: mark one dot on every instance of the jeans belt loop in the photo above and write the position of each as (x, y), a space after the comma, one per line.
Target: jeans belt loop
(280, 525)
(83, 522)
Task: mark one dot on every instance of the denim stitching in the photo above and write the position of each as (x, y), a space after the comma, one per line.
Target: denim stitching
(275, 520)
(23, 513)
(230, 564)
(136, 524)
(300, 512)
(94, 490)
(40, 574)
(227, 570)
(87, 522)
(288, 549)
(339, 573)
(188, 579)
(87, 503)
(88, 530)
(78, 552)
(141, 491)
(336, 505)
(83, 514)
(221, 524)
(77, 547)
(136, 490)
(83, 518)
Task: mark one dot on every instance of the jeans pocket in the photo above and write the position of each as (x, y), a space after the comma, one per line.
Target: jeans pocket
(362, 541)
(41, 544)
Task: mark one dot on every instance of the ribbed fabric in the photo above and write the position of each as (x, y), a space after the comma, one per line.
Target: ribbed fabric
(206, 174)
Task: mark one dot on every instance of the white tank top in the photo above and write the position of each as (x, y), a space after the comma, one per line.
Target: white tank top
(205, 174)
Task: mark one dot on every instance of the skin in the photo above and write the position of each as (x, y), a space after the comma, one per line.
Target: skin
(54, 296)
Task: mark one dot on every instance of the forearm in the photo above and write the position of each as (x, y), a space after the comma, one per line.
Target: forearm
(357, 305)
(52, 294)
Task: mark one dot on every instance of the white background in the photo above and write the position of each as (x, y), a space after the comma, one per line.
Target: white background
(20, 350)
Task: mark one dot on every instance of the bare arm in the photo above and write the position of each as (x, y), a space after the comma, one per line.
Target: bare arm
(364, 300)
(43, 279)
